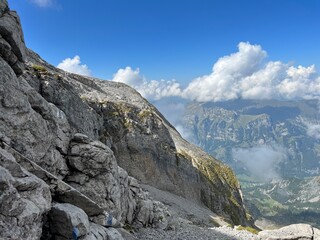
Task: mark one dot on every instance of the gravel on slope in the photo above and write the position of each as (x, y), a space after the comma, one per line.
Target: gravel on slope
(189, 220)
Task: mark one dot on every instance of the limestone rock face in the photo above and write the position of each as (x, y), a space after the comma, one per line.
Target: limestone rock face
(13, 48)
(35, 127)
(94, 172)
(24, 199)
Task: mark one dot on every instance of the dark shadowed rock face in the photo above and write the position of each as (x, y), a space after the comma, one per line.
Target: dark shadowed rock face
(62, 138)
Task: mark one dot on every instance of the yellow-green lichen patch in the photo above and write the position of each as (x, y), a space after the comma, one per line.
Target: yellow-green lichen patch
(144, 114)
(39, 68)
(249, 229)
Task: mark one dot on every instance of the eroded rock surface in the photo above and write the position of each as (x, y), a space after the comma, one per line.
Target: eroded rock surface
(24, 200)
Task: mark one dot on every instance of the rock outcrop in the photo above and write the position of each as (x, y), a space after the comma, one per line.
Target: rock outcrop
(24, 200)
(48, 188)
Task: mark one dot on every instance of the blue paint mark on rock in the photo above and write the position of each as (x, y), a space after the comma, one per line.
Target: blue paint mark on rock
(75, 233)
(109, 220)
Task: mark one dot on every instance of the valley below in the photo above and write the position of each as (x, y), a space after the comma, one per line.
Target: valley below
(279, 203)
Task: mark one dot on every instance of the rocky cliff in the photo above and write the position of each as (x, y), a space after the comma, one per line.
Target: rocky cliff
(70, 144)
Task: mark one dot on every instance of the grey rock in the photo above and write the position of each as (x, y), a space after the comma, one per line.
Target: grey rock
(3, 7)
(98, 232)
(66, 219)
(6, 53)
(81, 138)
(80, 115)
(106, 220)
(90, 160)
(316, 234)
(71, 195)
(11, 31)
(98, 177)
(36, 128)
(24, 200)
(113, 234)
(145, 215)
(291, 232)
(61, 190)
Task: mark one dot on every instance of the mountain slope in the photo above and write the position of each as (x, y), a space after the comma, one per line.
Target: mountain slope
(62, 138)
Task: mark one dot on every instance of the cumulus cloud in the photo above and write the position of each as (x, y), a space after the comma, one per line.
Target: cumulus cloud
(74, 65)
(261, 161)
(313, 128)
(128, 76)
(42, 3)
(150, 89)
(314, 131)
(246, 74)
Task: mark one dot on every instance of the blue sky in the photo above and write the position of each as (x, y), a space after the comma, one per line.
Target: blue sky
(168, 39)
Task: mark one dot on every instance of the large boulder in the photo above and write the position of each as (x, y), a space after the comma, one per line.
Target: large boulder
(291, 232)
(67, 221)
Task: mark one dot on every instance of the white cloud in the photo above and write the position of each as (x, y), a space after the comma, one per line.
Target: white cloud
(314, 131)
(261, 161)
(245, 74)
(153, 89)
(128, 76)
(42, 3)
(313, 128)
(74, 66)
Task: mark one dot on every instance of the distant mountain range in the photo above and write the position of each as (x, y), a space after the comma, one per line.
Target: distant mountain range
(274, 148)
(266, 138)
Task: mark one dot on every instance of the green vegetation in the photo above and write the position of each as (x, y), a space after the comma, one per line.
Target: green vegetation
(39, 68)
(249, 229)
